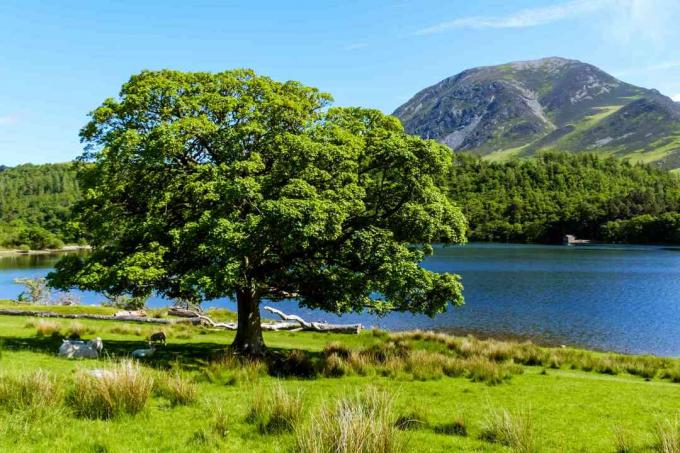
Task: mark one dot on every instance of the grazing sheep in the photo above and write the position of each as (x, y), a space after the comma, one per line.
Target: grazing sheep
(158, 337)
(74, 349)
(143, 353)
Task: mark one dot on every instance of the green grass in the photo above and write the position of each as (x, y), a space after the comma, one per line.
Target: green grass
(466, 394)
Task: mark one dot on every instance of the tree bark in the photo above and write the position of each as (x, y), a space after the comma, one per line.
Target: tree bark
(248, 340)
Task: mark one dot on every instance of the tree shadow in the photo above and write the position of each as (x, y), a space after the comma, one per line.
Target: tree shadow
(185, 356)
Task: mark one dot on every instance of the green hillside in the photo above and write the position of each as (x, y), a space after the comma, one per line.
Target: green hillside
(519, 109)
(35, 202)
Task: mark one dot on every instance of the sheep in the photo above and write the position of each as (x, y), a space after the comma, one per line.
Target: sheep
(87, 349)
(144, 353)
(158, 337)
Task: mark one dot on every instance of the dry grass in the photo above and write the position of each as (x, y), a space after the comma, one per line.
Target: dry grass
(362, 423)
(78, 330)
(46, 328)
(232, 370)
(668, 436)
(124, 389)
(623, 442)
(276, 410)
(220, 421)
(400, 357)
(514, 430)
(125, 329)
(529, 354)
(34, 390)
(177, 389)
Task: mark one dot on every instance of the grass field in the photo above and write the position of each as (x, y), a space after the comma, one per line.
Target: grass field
(418, 392)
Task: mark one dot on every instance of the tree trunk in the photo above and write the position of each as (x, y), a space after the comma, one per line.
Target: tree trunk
(248, 340)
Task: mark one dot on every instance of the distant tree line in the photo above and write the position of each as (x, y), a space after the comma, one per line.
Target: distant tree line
(35, 204)
(542, 199)
(537, 200)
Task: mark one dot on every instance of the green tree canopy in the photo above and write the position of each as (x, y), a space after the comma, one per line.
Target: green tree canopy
(201, 185)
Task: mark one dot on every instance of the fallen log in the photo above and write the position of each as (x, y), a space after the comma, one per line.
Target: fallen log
(290, 322)
(316, 326)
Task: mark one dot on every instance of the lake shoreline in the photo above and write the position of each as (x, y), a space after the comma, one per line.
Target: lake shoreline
(65, 249)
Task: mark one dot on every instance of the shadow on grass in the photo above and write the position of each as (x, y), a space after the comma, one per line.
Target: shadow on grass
(187, 356)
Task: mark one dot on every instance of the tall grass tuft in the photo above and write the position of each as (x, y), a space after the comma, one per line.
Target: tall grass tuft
(179, 390)
(668, 436)
(276, 410)
(232, 370)
(36, 389)
(362, 423)
(123, 389)
(220, 421)
(622, 440)
(124, 329)
(514, 430)
(457, 427)
(77, 330)
(46, 328)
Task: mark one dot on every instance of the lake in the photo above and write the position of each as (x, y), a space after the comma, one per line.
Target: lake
(611, 297)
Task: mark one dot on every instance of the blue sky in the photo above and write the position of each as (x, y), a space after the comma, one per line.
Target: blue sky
(60, 59)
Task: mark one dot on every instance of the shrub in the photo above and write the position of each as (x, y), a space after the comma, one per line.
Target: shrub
(47, 328)
(416, 418)
(338, 349)
(178, 390)
(668, 436)
(513, 430)
(672, 373)
(334, 366)
(276, 410)
(362, 423)
(124, 389)
(32, 390)
(297, 363)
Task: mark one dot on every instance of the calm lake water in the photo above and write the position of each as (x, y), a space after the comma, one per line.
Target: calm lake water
(623, 298)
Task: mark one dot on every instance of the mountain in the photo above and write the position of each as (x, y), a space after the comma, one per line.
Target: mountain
(520, 108)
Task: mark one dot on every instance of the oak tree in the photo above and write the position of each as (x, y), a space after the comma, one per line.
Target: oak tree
(200, 186)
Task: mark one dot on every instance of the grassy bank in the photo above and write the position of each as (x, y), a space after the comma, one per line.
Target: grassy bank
(401, 392)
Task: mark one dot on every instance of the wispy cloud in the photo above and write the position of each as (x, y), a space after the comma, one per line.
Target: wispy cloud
(356, 46)
(531, 17)
(626, 21)
(11, 118)
(651, 21)
(676, 97)
(664, 66)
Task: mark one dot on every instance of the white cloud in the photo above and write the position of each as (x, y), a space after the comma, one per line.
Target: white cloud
(356, 46)
(521, 19)
(676, 97)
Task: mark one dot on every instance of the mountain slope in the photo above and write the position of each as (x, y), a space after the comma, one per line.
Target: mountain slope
(520, 108)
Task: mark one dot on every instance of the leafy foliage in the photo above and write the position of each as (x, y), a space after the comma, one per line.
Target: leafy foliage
(540, 200)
